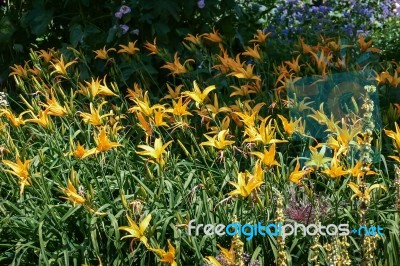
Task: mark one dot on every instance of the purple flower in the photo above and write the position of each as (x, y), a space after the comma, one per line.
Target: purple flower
(303, 211)
(135, 31)
(201, 4)
(118, 14)
(125, 9)
(124, 28)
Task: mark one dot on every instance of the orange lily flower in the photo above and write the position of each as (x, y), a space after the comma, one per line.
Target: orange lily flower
(20, 71)
(176, 67)
(194, 39)
(253, 52)
(294, 64)
(213, 36)
(366, 196)
(366, 46)
(166, 256)
(260, 37)
(152, 47)
(144, 124)
(297, 174)
(46, 55)
(291, 126)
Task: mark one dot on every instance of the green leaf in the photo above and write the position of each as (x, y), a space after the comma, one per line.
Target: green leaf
(75, 34)
(6, 30)
(38, 19)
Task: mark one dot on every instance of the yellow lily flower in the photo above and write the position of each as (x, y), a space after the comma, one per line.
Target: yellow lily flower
(317, 159)
(166, 256)
(21, 170)
(247, 183)
(179, 108)
(145, 106)
(94, 116)
(356, 170)
(103, 143)
(218, 141)
(212, 261)
(227, 255)
(394, 135)
(54, 107)
(242, 73)
(265, 133)
(15, 121)
(72, 195)
(103, 53)
(297, 175)
(176, 67)
(130, 49)
(248, 119)
(335, 170)
(135, 231)
(197, 95)
(95, 88)
(268, 157)
(291, 126)
(156, 152)
(365, 197)
(215, 109)
(60, 67)
(42, 118)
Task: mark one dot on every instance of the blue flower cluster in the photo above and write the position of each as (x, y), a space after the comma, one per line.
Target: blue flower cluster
(291, 18)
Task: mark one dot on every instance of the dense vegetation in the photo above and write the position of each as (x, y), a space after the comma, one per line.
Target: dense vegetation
(121, 123)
